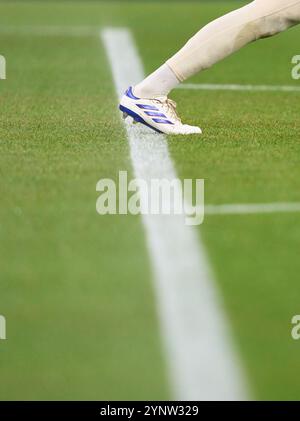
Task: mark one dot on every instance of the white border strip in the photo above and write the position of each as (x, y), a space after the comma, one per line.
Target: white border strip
(246, 88)
(202, 362)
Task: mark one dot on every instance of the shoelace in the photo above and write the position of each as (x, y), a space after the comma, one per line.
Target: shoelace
(169, 106)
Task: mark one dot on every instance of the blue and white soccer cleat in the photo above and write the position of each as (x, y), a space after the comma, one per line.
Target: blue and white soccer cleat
(158, 113)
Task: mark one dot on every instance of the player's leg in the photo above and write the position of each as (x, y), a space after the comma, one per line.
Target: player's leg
(147, 102)
(219, 39)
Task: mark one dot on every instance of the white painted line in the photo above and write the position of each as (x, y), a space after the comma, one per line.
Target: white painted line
(76, 31)
(203, 364)
(252, 208)
(246, 88)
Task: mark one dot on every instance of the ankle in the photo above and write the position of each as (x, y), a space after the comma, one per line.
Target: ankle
(158, 84)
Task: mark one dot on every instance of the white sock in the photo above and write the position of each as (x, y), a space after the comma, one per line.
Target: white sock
(159, 83)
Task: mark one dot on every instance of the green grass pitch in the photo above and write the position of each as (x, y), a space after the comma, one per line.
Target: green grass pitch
(76, 287)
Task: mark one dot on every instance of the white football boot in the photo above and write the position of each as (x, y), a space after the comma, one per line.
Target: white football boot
(158, 113)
